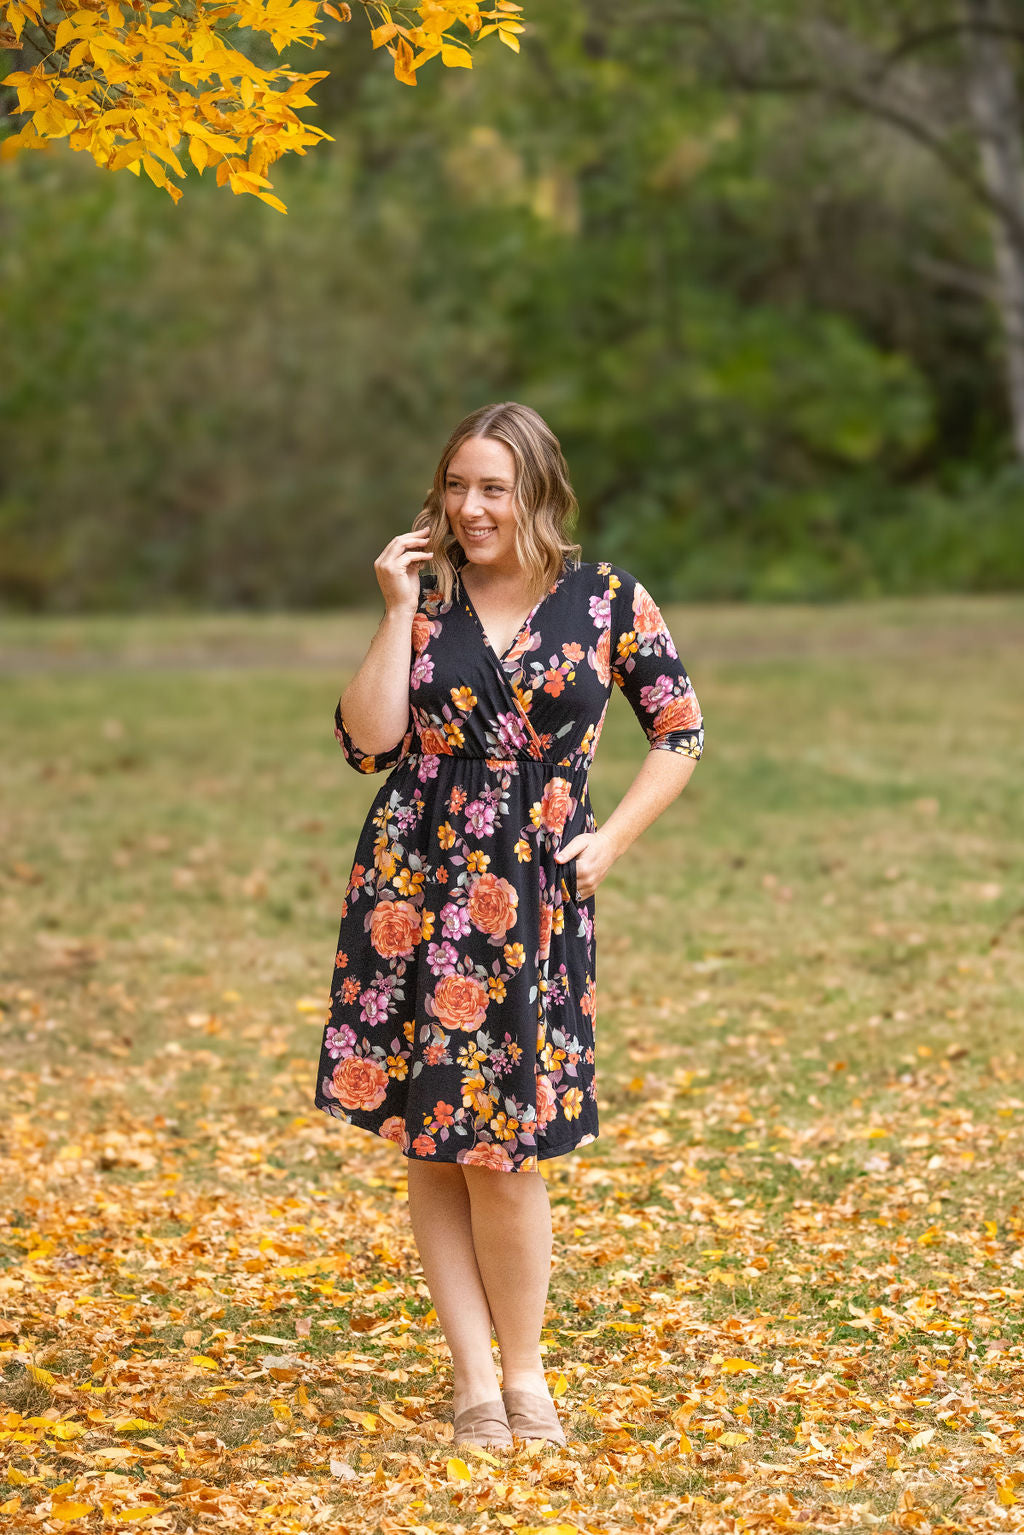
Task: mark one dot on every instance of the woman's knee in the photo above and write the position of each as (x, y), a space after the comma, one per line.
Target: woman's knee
(500, 1187)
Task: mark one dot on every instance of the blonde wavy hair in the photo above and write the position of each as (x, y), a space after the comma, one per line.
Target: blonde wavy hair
(544, 499)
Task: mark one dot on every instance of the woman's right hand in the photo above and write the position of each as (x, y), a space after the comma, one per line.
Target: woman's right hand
(398, 570)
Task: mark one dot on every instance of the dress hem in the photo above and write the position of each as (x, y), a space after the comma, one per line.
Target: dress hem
(542, 1154)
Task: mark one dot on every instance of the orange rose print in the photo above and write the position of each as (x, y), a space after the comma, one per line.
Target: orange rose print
(547, 1103)
(555, 802)
(420, 632)
(359, 1083)
(487, 1155)
(602, 664)
(546, 918)
(395, 929)
(647, 619)
(460, 1002)
(678, 714)
(434, 742)
(393, 1129)
(492, 904)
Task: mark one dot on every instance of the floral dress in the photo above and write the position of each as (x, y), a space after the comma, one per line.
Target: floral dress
(461, 1021)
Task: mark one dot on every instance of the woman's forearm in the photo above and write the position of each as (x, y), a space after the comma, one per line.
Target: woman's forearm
(375, 705)
(662, 777)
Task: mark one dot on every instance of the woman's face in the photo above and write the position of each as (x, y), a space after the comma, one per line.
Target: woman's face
(478, 500)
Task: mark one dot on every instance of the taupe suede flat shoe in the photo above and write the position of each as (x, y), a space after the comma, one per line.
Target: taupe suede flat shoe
(531, 1416)
(484, 1424)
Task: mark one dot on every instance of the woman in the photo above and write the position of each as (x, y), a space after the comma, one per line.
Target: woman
(463, 1003)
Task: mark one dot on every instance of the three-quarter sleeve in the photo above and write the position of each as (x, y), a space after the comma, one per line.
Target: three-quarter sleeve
(371, 762)
(646, 666)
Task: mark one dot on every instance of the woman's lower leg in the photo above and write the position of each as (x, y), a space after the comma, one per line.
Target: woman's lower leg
(511, 1226)
(439, 1210)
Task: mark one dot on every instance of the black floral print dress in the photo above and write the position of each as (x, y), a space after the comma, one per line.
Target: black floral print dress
(461, 1022)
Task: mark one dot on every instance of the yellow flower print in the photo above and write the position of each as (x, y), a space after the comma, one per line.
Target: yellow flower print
(453, 733)
(475, 1095)
(384, 856)
(398, 1067)
(409, 1030)
(627, 646)
(464, 698)
(446, 834)
(572, 1102)
(523, 850)
(504, 1128)
(496, 988)
(535, 812)
(470, 1056)
(551, 1059)
(515, 955)
(477, 861)
(409, 883)
(514, 1051)
(427, 925)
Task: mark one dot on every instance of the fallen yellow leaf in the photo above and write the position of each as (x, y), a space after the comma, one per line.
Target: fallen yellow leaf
(734, 1366)
(458, 1471)
(367, 1420)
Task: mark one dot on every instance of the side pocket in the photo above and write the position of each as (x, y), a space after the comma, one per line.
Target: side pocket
(569, 880)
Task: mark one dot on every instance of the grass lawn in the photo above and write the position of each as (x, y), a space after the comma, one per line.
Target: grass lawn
(788, 1275)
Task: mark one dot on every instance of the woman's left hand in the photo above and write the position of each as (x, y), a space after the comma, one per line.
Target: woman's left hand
(594, 854)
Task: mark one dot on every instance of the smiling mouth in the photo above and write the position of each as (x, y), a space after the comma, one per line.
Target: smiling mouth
(479, 534)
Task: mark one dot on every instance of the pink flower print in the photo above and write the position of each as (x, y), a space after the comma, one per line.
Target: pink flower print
(657, 694)
(340, 1041)
(480, 818)
(601, 611)
(510, 729)
(422, 671)
(442, 958)
(374, 1005)
(454, 921)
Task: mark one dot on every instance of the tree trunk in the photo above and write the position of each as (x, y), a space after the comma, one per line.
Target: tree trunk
(995, 107)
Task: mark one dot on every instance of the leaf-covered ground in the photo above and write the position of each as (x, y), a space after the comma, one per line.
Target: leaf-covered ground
(788, 1276)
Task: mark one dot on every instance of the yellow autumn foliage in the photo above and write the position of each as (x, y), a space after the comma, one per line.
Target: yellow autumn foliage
(138, 85)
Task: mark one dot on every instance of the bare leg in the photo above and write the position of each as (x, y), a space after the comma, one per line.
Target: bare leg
(511, 1219)
(439, 1210)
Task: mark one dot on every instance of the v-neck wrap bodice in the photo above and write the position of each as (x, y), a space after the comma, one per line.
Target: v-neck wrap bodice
(463, 1001)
